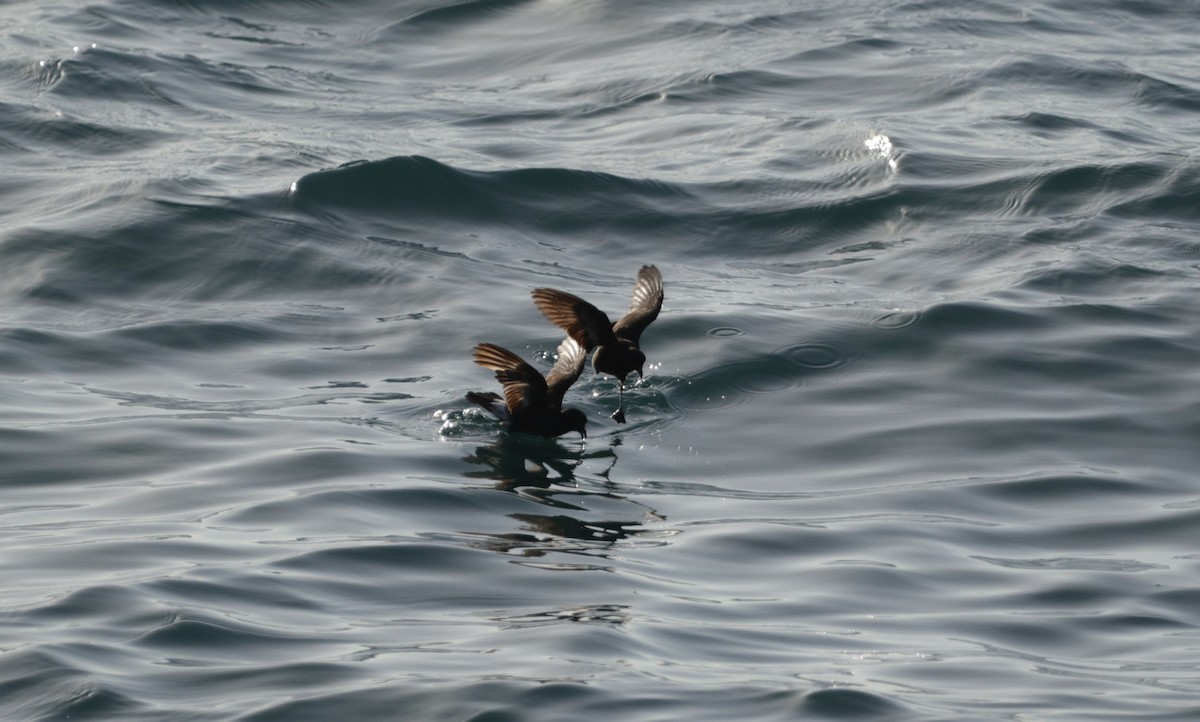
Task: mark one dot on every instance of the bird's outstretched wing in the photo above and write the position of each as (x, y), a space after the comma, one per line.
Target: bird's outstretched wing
(571, 359)
(644, 305)
(581, 320)
(523, 386)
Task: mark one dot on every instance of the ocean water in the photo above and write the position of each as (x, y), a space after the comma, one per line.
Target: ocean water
(918, 439)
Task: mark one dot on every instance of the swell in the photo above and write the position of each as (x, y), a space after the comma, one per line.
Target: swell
(341, 228)
(415, 186)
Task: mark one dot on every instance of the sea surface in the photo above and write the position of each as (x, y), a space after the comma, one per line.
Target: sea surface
(919, 438)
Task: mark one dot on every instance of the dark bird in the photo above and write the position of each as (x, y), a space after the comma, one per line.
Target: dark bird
(532, 404)
(616, 344)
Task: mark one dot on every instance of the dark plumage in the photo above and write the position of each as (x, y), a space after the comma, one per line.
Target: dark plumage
(532, 404)
(616, 344)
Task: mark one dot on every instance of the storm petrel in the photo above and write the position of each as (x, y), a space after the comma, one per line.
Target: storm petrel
(532, 403)
(616, 344)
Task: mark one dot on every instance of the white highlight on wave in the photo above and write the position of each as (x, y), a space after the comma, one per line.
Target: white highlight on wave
(76, 49)
(882, 145)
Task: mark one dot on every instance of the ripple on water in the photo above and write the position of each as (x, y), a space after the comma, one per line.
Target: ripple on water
(816, 355)
(728, 384)
(724, 332)
(731, 383)
(896, 319)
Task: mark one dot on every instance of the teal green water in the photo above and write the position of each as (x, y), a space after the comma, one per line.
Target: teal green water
(916, 441)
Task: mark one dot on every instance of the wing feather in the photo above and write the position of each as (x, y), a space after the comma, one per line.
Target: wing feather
(644, 305)
(566, 370)
(581, 320)
(523, 386)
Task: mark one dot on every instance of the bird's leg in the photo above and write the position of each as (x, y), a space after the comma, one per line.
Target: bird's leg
(619, 414)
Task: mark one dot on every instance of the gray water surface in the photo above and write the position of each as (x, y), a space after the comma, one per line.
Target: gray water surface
(917, 438)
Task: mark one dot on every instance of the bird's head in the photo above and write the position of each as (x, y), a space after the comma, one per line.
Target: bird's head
(575, 420)
(638, 361)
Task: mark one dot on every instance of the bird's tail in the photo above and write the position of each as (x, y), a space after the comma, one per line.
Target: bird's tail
(491, 402)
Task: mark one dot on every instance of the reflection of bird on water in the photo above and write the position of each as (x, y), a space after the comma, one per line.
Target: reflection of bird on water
(578, 529)
(514, 461)
(616, 344)
(532, 403)
(545, 472)
(597, 534)
(609, 614)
